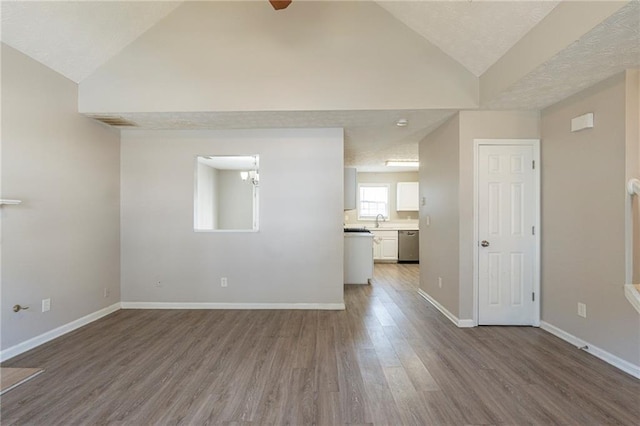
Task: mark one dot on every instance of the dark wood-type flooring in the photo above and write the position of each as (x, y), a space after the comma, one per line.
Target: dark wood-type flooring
(390, 358)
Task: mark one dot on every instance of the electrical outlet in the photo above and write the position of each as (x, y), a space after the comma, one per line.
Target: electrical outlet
(440, 282)
(223, 282)
(46, 305)
(105, 293)
(428, 220)
(582, 310)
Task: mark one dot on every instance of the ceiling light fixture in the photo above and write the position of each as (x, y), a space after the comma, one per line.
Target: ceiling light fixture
(280, 4)
(402, 163)
(402, 122)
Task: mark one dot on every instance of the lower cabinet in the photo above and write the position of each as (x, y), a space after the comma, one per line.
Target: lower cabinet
(385, 245)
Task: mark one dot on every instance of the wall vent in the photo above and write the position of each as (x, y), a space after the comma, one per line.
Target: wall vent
(113, 120)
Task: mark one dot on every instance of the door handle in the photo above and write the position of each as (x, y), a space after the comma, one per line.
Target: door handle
(18, 308)
(484, 243)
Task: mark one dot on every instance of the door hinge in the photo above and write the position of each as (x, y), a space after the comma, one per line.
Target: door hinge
(533, 164)
(533, 230)
(533, 297)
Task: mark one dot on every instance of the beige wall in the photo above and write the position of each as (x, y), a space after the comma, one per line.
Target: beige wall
(446, 180)
(482, 125)
(632, 137)
(318, 56)
(63, 241)
(633, 134)
(351, 216)
(439, 241)
(295, 257)
(583, 221)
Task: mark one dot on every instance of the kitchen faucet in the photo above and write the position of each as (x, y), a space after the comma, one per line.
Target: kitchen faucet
(377, 222)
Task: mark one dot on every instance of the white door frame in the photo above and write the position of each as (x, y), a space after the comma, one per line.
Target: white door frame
(535, 144)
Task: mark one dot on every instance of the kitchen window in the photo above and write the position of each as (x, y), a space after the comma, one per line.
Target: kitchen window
(373, 199)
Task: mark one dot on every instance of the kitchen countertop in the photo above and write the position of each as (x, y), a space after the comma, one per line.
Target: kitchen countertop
(358, 234)
(386, 227)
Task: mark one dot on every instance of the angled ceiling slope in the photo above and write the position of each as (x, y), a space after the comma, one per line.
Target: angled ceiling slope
(74, 37)
(476, 34)
(244, 56)
(314, 64)
(607, 49)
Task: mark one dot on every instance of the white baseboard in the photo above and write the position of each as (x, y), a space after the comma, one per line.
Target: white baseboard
(464, 323)
(56, 332)
(187, 305)
(607, 357)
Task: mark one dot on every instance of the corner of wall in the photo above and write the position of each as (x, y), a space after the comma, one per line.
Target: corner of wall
(584, 245)
(62, 243)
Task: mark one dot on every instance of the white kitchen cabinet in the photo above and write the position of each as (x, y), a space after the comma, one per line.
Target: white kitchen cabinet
(350, 187)
(358, 261)
(407, 197)
(385, 245)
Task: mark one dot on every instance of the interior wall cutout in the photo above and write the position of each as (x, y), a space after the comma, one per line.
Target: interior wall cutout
(226, 193)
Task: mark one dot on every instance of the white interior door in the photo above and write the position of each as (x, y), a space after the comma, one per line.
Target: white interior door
(507, 203)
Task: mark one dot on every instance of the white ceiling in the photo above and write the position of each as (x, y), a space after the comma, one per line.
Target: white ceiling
(231, 162)
(76, 38)
(608, 49)
(474, 33)
(371, 137)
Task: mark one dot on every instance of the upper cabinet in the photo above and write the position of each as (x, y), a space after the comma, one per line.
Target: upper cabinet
(408, 198)
(350, 187)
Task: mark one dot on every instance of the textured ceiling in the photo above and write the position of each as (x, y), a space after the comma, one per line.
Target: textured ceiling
(75, 38)
(608, 49)
(475, 33)
(371, 137)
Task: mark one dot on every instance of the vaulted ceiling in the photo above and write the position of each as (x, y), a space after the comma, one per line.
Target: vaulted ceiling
(501, 55)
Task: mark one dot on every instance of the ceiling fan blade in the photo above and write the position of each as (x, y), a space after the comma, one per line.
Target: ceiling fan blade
(280, 4)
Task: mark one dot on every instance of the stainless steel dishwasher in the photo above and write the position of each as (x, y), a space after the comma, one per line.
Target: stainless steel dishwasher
(408, 246)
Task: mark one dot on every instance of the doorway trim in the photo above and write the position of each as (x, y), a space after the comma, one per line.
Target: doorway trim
(535, 144)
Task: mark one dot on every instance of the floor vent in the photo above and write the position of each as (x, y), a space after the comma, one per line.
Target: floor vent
(113, 120)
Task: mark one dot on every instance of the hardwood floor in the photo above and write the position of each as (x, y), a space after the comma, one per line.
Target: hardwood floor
(389, 358)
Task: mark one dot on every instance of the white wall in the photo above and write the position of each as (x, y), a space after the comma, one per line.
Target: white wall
(314, 56)
(583, 225)
(63, 241)
(295, 257)
(235, 201)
